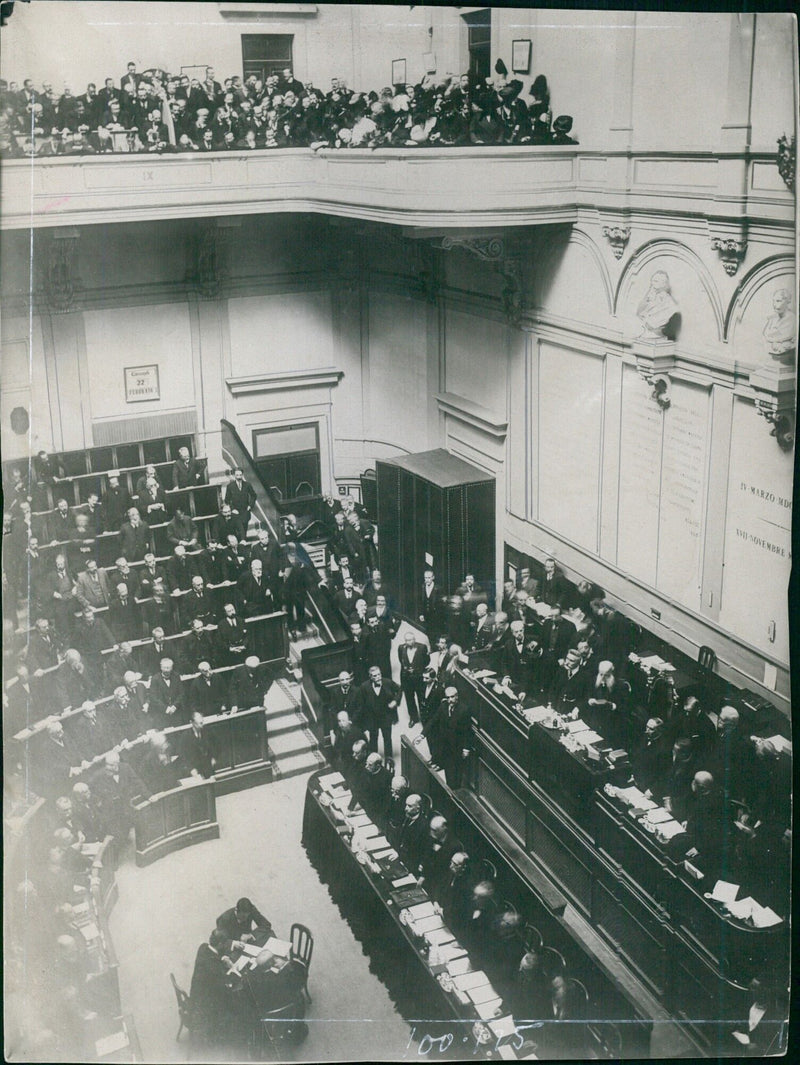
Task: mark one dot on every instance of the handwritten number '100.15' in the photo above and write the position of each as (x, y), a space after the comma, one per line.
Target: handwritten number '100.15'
(443, 1043)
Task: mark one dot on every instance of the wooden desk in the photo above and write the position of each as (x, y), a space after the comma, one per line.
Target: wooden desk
(243, 755)
(175, 819)
(370, 893)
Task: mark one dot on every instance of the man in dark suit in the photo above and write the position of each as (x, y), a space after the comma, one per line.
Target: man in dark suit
(341, 698)
(268, 552)
(54, 759)
(431, 694)
(61, 523)
(413, 657)
(346, 598)
(517, 660)
(451, 726)
(92, 733)
(116, 502)
(431, 609)
(360, 664)
(386, 619)
(129, 78)
(249, 685)
(377, 711)
(242, 920)
(557, 634)
(208, 693)
(708, 826)
(180, 570)
(134, 537)
(197, 647)
(553, 587)
(255, 594)
(343, 736)
(148, 573)
(231, 636)
(115, 787)
(225, 524)
(167, 695)
(571, 683)
(211, 1000)
(92, 586)
(412, 840)
(378, 645)
(240, 496)
(455, 893)
(91, 637)
(43, 646)
(197, 603)
(481, 628)
(372, 788)
(198, 750)
(651, 759)
(441, 848)
(124, 614)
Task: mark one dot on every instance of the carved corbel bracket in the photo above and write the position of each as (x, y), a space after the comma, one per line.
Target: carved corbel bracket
(487, 249)
(617, 237)
(732, 251)
(654, 361)
(774, 388)
(60, 282)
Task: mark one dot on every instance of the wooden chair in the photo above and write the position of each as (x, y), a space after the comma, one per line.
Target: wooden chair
(272, 1031)
(487, 870)
(553, 963)
(707, 659)
(302, 948)
(184, 1007)
(532, 938)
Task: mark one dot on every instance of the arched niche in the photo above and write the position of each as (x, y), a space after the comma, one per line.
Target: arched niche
(751, 306)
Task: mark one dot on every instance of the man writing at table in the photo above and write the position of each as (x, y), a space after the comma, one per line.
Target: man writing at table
(242, 920)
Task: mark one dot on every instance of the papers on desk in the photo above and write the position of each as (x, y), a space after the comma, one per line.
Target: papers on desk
(783, 745)
(448, 952)
(330, 780)
(764, 917)
(585, 739)
(279, 947)
(341, 802)
(91, 850)
(251, 950)
(110, 1044)
(377, 843)
(482, 674)
(471, 980)
(420, 910)
(741, 909)
(577, 726)
(669, 830)
(458, 966)
(657, 816)
(724, 892)
(537, 714)
(437, 937)
(503, 1026)
(360, 821)
(365, 831)
(90, 931)
(489, 1009)
(483, 993)
(388, 855)
(428, 924)
(404, 881)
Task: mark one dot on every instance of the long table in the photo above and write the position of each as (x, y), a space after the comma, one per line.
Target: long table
(324, 838)
(635, 893)
(175, 819)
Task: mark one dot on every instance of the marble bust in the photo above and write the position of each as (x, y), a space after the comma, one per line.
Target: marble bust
(779, 331)
(658, 307)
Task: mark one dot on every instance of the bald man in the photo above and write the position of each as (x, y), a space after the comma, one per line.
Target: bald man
(708, 826)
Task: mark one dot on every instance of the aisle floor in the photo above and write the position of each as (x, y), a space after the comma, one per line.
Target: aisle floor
(167, 909)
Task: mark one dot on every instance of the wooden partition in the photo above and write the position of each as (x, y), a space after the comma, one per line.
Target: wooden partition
(175, 819)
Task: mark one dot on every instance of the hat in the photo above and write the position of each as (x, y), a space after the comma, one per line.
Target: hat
(512, 90)
(500, 67)
(563, 124)
(539, 87)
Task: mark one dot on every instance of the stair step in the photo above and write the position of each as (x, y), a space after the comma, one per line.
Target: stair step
(294, 765)
(291, 742)
(283, 723)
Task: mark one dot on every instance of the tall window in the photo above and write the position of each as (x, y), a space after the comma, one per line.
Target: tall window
(266, 53)
(479, 42)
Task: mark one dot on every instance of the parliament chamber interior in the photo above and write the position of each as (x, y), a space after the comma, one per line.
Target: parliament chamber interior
(396, 531)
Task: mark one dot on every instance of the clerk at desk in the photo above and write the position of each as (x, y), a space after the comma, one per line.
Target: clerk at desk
(242, 920)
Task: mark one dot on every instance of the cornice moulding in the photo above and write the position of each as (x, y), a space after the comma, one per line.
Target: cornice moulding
(327, 377)
(480, 417)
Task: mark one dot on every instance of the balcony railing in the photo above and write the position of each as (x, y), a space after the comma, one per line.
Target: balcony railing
(508, 186)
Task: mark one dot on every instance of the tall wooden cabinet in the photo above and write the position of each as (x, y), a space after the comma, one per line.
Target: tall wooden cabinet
(434, 511)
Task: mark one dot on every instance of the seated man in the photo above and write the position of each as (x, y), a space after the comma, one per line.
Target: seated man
(242, 920)
(182, 530)
(436, 862)
(209, 994)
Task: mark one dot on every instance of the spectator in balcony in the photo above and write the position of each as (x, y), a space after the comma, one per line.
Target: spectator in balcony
(105, 96)
(130, 79)
(154, 135)
(123, 572)
(182, 530)
(116, 502)
(186, 471)
(211, 89)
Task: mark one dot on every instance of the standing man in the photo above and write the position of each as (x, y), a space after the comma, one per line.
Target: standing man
(413, 657)
(451, 726)
(377, 711)
(240, 496)
(431, 611)
(186, 471)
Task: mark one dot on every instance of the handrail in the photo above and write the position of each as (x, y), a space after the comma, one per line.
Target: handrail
(235, 451)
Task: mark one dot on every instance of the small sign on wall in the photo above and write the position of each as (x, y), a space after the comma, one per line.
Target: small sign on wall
(141, 384)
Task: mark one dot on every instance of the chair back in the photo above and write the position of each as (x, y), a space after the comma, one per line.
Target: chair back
(579, 998)
(532, 938)
(606, 1040)
(553, 963)
(706, 659)
(302, 944)
(488, 870)
(184, 1003)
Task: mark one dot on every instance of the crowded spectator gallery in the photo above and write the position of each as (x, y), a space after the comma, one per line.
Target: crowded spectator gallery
(397, 417)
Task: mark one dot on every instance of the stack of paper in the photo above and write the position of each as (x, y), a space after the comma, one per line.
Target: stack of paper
(421, 909)
(438, 937)
(470, 980)
(458, 966)
(360, 821)
(481, 674)
(341, 802)
(658, 816)
(450, 951)
(279, 947)
(503, 1026)
(252, 950)
(588, 737)
(428, 924)
(376, 844)
(764, 917)
(490, 1008)
(483, 993)
(724, 892)
(669, 830)
(330, 780)
(577, 726)
(536, 714)
(404, 881)
(782, 744)
(90, 931)
(741, 909)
